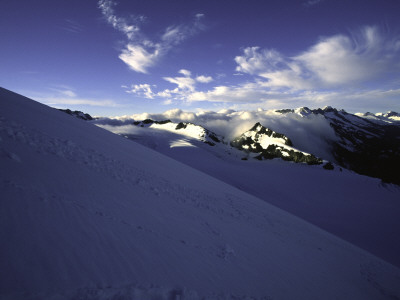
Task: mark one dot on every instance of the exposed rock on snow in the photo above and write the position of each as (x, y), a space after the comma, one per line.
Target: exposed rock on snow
(366, 143)
(269, 144)
(78, 114)
(186, 129)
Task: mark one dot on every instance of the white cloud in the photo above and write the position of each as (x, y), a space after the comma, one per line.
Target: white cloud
(243, 93)
(69, 93)
(62, 95)
(184, 83)
(184, 72)
(138, 58)
(78, 101)
(120, 24)
(185, 86)
(140, 53)
(335, 61)
(63, 91)
(142, 89)
(341, 71)
(255, 61)
(59, 100)
(204, 79)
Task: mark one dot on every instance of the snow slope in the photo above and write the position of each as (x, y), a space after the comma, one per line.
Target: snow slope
(86, 214)
(356, 208)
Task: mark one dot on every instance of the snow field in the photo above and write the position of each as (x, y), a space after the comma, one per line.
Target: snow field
(86, 214)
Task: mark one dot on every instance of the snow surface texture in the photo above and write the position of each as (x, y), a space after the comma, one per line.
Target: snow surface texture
(86, 214)
(356, 208)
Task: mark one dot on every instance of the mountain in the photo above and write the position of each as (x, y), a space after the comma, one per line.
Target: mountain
(269, 144)
(78, 114)
(389, 117)
(183, 128)
(365, 143)
(87, 214)
(368, 144)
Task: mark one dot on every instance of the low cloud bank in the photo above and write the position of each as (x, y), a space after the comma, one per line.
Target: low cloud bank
(310, 133)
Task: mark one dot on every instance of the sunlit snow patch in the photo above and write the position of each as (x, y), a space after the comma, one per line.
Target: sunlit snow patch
(181, 143)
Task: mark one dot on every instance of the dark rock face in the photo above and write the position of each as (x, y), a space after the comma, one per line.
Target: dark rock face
(78, 114)
(150, 121)
(180, 125)
(328, 166)
(367, 146)
(372, 155)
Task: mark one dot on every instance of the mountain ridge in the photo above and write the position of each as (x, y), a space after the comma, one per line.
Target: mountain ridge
(366, 146)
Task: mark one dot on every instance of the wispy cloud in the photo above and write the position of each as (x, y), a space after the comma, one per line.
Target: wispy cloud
(140, 53)
(72, 26)
(336, 61)
(312, 2)
(248, 92)
(56, 101)
(62, 95)
(119, 23)
(340, 70)
(63, 90)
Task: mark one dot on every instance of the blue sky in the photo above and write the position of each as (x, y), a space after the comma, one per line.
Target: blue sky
(120, 57)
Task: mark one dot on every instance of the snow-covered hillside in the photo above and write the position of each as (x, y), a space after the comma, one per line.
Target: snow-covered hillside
(86, 214)
(362, 210)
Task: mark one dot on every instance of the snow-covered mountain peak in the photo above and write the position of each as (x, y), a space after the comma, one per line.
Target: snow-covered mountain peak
(266, 136)
(390, 115)
(300, 111)
(184, 128)
(268, 144)
(303, 111)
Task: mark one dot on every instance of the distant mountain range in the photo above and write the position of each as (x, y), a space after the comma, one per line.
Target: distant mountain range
(368, 144)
